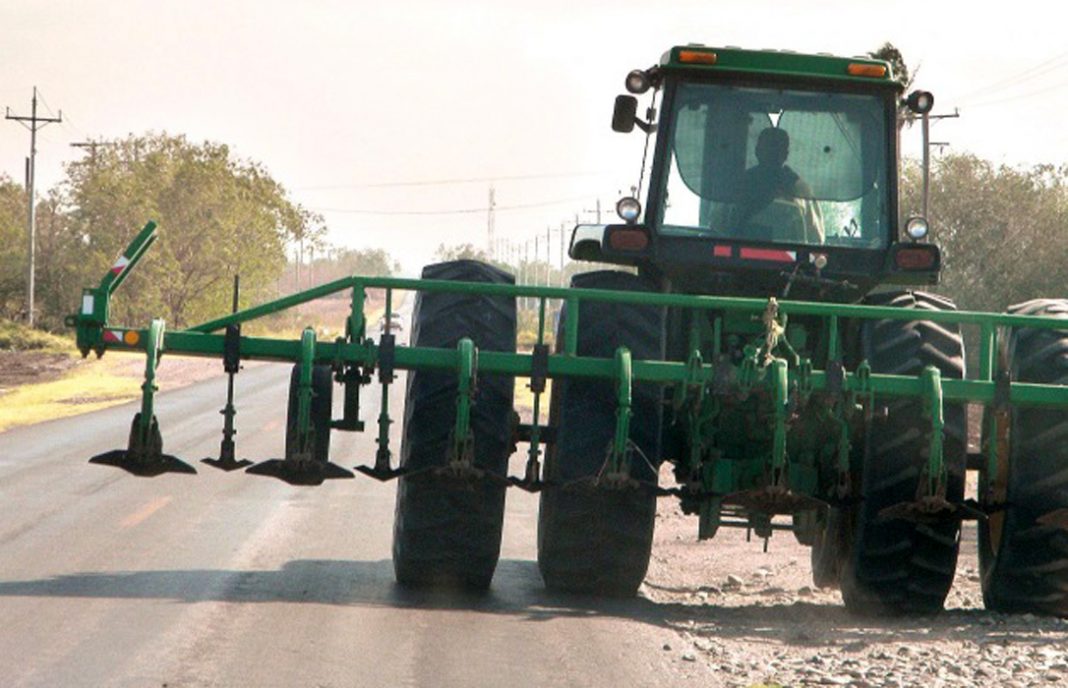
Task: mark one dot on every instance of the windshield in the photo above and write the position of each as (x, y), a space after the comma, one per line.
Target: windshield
(785, 166)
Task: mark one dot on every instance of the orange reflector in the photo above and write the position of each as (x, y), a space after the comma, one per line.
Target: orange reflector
(697, 56)
(131, 337)
(915, 258)
(628, 240)
(873, 70)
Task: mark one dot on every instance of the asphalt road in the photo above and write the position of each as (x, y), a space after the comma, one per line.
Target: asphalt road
(235, 580)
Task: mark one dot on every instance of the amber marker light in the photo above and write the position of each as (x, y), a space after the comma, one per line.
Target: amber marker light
(872, 70)
(697, 57)
(131, 337)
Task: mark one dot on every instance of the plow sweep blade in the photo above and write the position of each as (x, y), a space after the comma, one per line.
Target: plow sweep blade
(143, 455)
(303, 472)
(227, 463)
(145, 468)
(773, 500)
(932, 510)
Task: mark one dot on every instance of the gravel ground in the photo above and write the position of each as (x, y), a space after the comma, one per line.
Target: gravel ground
(737, 616)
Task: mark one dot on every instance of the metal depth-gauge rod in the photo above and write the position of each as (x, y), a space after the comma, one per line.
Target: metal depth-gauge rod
(35, 123)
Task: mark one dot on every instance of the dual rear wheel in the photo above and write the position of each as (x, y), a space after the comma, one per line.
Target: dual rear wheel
(590, 539)
(1023, 547)
(449, 531)
(887, 566)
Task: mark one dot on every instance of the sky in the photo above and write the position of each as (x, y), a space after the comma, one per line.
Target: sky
(394, 119)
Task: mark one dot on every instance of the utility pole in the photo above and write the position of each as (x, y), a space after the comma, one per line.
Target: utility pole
(490, 222)
(536, 251)
(596, 209)
(563, 231)
(925, 130)
(526, 265)
(548, 258)
(92, 146)
(35, 123)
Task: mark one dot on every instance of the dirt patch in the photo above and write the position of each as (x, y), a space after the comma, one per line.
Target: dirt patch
(19, 368)
(739, 616)
(23, 367)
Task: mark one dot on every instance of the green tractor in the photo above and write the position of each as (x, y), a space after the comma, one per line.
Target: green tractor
(764, 335)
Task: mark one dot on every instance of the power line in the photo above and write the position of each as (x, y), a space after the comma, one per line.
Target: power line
(44, 102)
(456, 211)
(446, 182)
(1042, 68)
(1022, 96)
(73, 127)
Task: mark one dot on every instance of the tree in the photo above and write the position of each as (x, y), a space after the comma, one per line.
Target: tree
(889, 52)
(461, 252)
(218, 216)
(345, 262)
(1000, 228)
(13, 243)
(372, 262)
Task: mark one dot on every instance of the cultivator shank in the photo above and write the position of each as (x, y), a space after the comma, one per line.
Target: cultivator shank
(767, 407)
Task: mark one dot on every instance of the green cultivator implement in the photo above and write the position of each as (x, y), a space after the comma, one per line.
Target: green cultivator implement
(751, 342)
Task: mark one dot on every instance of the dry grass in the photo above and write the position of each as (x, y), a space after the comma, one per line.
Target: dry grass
(67, 386)
(89, 386)
(18, 337)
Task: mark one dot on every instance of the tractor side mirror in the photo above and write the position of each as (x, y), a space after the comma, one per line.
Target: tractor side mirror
(586, 242)
(625, 114)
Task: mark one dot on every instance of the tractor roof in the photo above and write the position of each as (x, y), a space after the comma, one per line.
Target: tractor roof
(703, 58)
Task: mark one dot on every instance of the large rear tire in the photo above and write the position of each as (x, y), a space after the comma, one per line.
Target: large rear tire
(598, 540)
(1023, 554)
(447, 532)
(897, 566)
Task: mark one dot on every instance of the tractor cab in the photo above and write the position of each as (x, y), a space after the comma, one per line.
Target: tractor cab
(770, 171)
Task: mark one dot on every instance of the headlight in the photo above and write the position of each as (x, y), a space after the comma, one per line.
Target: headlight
(920, 102)
(638, 81)
(916, 228)
(629, 209)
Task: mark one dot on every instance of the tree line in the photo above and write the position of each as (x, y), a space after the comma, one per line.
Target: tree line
(220, 216)
(999, 228)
